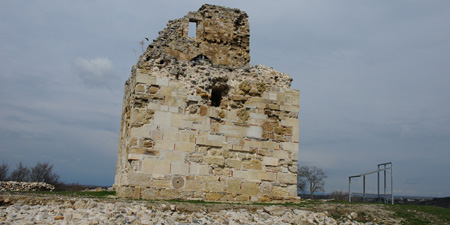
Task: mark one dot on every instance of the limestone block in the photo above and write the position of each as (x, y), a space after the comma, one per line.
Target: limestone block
(165, 90)
(170, 136)
(194, 98)
(265, 188)
(156, 166)
(231, 116)
(185, 146)
(280, 154)
(290, 146)
(289, 122)
(148, 193)
(266, 176)
(161, 183)
(143, 131)
(250, 188)
(125, 192)
(133, 141)
(292, 189)
(272, 95)
(295, 100)
(214, 186)
(175, 156)
(265, 152)
(214, 160)
(134, 156)
(233, 163)
(287, 178)
(154, 106)
(295, 133)
(213, 196)
(207, 142)
(228, 197)
(139, 179)
(164, 108)
(140, 88)
(270, 161)
(143, 151)
(198, 169)
(252, 164)
(145, 78)
(174, 109)
(254, 131)
(294, 156)
(162, 118)
(162, 81)
(179, 168)
(167, 193)
(231, 130)
(194, 185)
(271, 145)
(290, 108)
(242, 174)
(203, 110)
(234, 186)
(153, 90)
(253, 144)
(280, 191)
(258, 116)
(219, 138)
(164, 145)
(274, 106)
(242, 198)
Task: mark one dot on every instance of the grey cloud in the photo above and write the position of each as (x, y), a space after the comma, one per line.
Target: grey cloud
(95, 72)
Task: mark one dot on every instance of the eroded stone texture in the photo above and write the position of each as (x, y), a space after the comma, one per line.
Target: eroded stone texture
(197, 122)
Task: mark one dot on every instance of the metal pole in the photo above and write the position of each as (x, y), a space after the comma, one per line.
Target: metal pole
(349, 193)
(364, 188)
(392, 183)
(384, 193)
(378, 183)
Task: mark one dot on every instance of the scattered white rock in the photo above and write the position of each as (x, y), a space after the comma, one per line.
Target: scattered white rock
(94, 211)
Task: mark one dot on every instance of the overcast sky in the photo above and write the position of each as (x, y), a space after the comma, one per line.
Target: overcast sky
(373, 77)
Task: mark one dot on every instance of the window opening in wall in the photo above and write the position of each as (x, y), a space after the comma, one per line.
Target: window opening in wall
(216, 96)
(192, 30)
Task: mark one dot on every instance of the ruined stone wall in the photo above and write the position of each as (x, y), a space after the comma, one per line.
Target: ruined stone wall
(213, 130)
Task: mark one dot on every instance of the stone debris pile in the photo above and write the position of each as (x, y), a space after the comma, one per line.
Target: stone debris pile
(90, 211)
(25, 186)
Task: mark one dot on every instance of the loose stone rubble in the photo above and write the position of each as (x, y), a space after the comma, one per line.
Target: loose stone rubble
(25, 186)
(199, 123)
(95, 211)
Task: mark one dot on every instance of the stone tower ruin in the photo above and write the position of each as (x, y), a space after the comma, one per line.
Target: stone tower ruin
(199, 123)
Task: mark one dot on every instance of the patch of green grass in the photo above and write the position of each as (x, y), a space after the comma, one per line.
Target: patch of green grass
(418, 214)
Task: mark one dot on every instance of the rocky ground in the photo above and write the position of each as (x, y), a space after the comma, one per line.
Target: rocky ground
(20, 208)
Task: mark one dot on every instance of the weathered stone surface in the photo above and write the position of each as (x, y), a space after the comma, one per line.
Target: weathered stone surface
(214, 196)
(233, 163)
(252, 164)
(250, 188)
(193, 110)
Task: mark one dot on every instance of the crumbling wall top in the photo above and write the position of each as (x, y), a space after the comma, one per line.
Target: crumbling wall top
(222, 36)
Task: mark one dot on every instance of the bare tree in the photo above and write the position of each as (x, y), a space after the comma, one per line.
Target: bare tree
(313, 176)
(43, 172)
(4, 171)
(21, 173)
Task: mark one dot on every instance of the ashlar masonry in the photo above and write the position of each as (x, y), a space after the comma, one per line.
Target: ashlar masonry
(199, 123)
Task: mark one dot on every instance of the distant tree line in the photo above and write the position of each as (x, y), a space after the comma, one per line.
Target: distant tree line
(41, 172)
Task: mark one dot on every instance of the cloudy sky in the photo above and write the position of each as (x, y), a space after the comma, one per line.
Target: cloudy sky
(374, 78)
